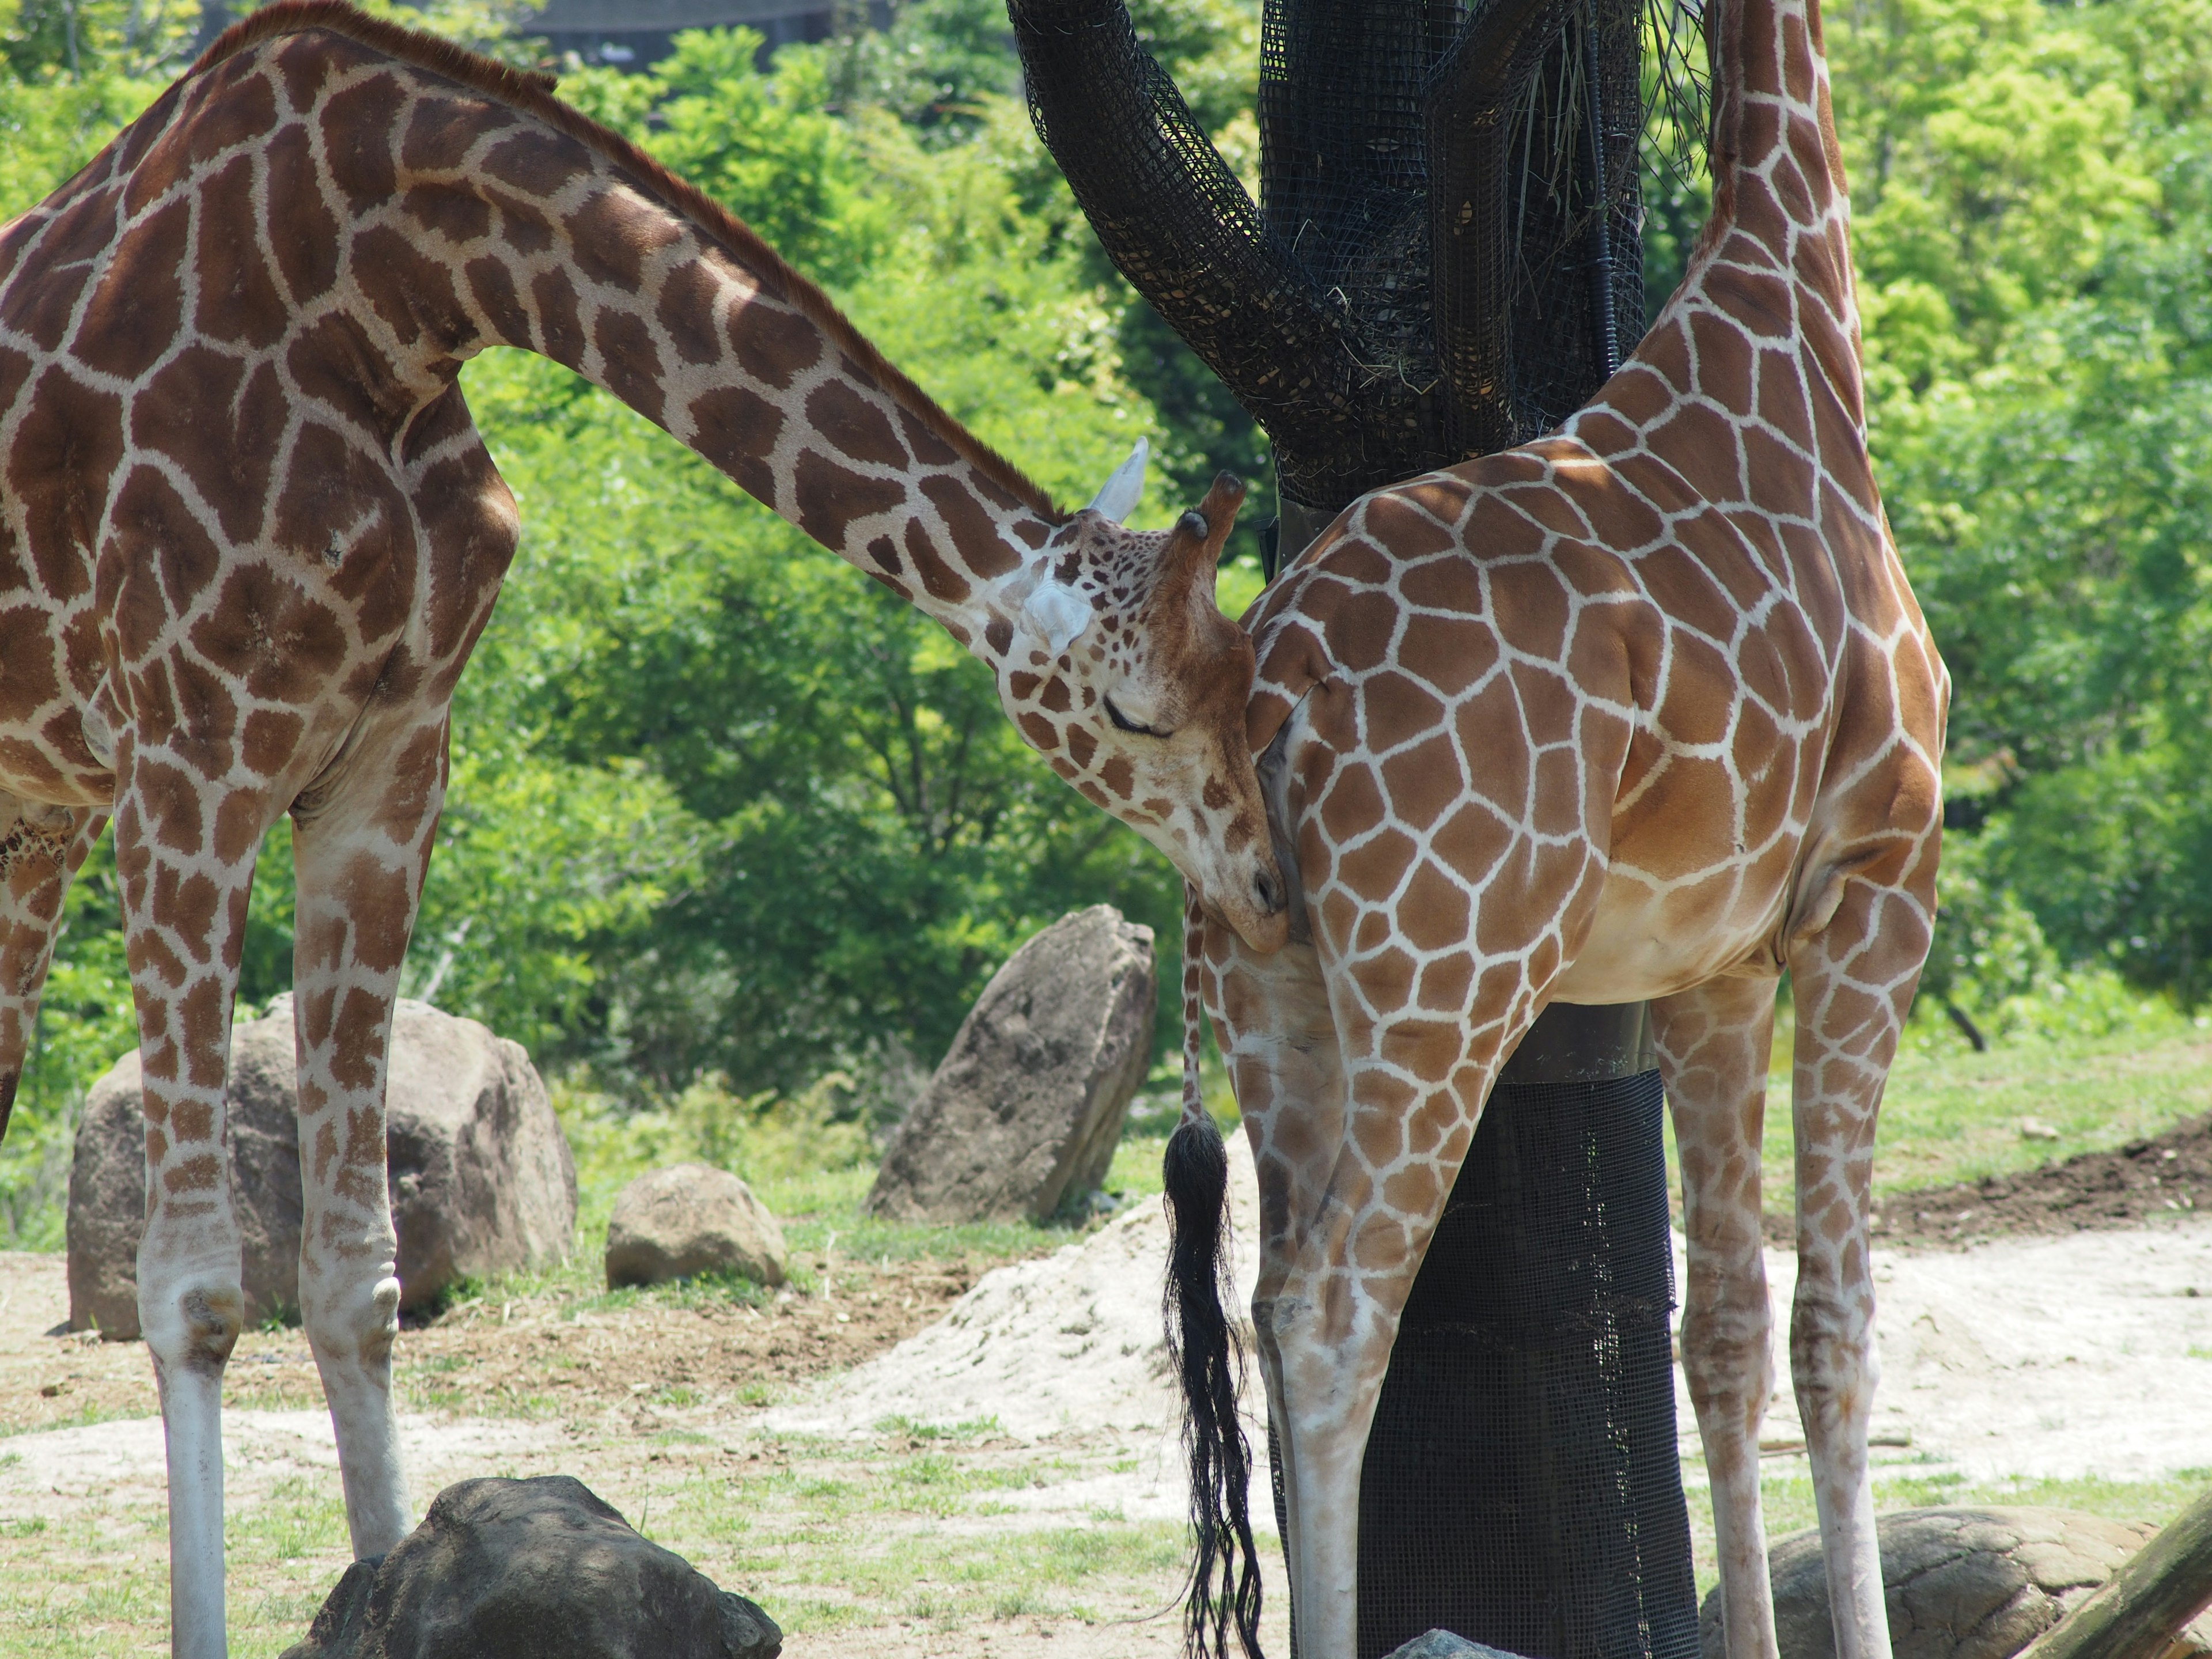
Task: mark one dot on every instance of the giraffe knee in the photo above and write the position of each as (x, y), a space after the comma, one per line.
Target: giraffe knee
(1831, 1360)
(193, 1324)
(1727, 1351)
(356, 1322)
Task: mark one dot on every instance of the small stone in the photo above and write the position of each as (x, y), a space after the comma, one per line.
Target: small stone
(2034, 1128)
(1025, 1112)
(538, 1568)
(671, 1224)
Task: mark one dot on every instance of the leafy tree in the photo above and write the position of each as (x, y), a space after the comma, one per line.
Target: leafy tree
(2030, 214)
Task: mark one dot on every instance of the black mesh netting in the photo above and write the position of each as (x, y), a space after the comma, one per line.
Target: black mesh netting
(1521, 1486)
(1444, 260)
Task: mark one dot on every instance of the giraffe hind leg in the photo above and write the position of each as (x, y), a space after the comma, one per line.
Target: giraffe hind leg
(361, 847)
(1714, 1042)
(41, 847)
(1852, 982)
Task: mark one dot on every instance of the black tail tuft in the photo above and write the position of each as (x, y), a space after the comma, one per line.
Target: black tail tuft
(1209, 1362)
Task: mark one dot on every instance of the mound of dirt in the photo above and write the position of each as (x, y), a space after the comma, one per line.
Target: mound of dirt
(1071, 1340)
(2158, 1179)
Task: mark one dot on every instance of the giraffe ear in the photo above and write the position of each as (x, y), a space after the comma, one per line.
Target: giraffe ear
(1118, 496)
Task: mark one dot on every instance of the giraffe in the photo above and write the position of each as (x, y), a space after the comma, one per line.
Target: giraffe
(249, 534)
(1644, 709)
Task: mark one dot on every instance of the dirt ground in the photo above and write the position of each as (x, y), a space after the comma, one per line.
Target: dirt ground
(490, 1353)
(535, 1386)
(2157, 1179)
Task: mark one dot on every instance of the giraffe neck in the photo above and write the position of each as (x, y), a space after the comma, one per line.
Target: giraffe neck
(442, 220)
(1777, 168)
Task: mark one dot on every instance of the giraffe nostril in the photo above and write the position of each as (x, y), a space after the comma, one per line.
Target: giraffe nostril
(1269, 891)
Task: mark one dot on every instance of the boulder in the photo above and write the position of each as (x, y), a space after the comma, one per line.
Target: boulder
(1960, 1583)
(1026, 1111)
(670, 1224)
(481, 1177)
(1443, 1644)
(538, 1568)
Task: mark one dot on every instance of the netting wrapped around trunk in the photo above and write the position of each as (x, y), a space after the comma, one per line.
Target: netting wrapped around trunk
(1444, 257)
(1530, 1401)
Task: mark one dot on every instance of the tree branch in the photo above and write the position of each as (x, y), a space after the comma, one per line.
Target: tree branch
(1471, 246)
(1178, 224)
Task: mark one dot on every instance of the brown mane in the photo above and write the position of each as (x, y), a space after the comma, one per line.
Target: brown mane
(532, 94)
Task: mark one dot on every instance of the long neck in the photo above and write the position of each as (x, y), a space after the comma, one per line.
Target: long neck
(452, 220)
(1778, 240)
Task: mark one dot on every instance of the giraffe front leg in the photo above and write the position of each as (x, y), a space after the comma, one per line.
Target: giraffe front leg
(1354, 1163)
(185, 850)
(41, 847)
(1278, 1039)
(1323, 1383)
(1328, 1327)
(360, 851)
(1714, 1045)
(1853, 983)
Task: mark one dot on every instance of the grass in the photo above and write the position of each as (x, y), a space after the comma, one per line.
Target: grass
(827, 1534)
(1951, 1116)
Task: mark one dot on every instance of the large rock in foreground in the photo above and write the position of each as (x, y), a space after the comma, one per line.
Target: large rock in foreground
(671, 1224)
(1960, 1583)
(1443, 1644)
(1027, 1107)
(481, 1177)
(538, 1568)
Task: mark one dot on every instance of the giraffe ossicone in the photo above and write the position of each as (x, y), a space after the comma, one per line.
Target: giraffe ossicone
(1118, 496)
(249, 535)
(1641, 711)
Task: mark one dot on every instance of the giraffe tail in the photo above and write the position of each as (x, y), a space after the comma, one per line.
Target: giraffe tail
(1207, 1359)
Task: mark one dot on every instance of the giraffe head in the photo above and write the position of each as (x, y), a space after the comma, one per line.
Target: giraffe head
(1119, 668)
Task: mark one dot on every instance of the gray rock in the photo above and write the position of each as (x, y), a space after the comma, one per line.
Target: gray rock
(1443, 1644)
(1027, 1107)
(538, 1568)
(670, 1224)
(481, 1177)
(1960, 1583)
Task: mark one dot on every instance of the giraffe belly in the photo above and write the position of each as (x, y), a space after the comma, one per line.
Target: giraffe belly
(53, 764)
(1650, 939)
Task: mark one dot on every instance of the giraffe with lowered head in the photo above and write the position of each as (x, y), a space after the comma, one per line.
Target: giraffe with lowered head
(1645, 710)
(249, 534)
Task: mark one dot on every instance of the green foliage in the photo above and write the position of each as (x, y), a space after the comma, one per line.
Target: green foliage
(2031, 207)
(725, 818)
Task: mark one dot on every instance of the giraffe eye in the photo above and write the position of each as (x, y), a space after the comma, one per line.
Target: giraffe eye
(1125, 724)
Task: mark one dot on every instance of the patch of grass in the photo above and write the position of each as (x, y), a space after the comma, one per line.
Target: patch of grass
(83, 1418)
(975, 1428)
(1951, 1116)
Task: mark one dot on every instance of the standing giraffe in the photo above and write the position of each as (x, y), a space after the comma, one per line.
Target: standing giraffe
(248, 535)
(1643, 710)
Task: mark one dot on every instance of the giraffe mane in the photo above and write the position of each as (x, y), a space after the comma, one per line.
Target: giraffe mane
(532, 93)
